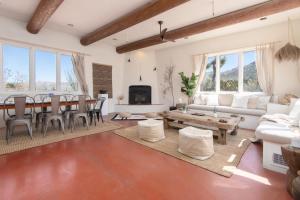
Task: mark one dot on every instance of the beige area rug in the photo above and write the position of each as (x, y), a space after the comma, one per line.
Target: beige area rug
(21, 140)
(223, 162)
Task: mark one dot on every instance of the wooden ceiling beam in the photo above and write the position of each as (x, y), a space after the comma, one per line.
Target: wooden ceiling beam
(138, 15)
(242, 15)
(41, 15)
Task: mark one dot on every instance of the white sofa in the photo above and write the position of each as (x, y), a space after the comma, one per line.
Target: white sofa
(224, 108)
(274, 135)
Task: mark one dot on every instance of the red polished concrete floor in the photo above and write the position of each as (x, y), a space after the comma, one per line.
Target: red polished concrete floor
(106, 166)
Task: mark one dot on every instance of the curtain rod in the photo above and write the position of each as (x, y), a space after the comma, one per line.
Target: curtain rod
(41, 46)
(238, 49)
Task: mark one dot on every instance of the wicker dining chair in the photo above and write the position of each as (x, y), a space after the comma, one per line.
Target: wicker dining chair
(54, 115)
(83, 109)
(20, 115)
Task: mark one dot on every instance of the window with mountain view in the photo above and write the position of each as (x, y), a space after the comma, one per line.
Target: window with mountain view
(223, 73)
(209, 82)
(45, 71)
(68, 78)
(229, 72)
(250, 74)
(15, 68)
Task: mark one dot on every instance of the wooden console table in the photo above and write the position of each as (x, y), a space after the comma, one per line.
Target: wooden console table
(220, 125)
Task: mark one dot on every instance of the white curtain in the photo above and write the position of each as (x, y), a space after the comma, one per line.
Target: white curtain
(79, 69)
(200, 62)
(265, 67)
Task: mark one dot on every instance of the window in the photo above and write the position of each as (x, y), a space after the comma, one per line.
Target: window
(250, 74)
(229, 72)
(15, 68)
(234, 72)
(209, 82)
(45, 71)
(68, 78)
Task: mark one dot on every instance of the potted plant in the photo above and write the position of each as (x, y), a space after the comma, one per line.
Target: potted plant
(189, 85)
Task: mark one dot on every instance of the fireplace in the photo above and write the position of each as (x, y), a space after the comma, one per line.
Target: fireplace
(140, 95)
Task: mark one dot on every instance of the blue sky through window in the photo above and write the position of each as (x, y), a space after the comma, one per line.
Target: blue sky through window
(45, 66)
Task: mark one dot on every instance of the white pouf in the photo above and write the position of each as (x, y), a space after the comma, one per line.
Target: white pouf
(196, 143)
(151, 130)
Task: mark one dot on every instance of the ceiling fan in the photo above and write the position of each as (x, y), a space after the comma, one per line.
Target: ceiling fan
(163, 32)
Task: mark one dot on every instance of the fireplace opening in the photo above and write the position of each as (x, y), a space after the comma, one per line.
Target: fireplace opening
(140, 95)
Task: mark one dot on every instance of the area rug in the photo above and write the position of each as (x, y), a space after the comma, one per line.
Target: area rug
(135, 117)
(21, 140)
(226, 157)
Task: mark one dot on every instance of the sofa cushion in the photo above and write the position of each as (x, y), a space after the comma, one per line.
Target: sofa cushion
(212, 100)
(276, 133)
(201, 107)
(225, 99)
(295, 111)
(262, 102)
(252, 102)
(242, 111)
(200, 99)
(240, 101)
(227, 109)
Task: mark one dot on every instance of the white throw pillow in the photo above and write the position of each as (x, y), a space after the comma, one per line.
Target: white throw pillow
(292, 103)
(262, 102)
(295, 112)
(200, 100)
(240, 101)
(212, 100)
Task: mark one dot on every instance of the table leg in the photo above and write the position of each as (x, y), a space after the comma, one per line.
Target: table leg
(234, 132)
(222, 136)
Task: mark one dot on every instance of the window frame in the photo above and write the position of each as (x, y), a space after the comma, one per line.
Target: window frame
(32, 69)
(240, 53)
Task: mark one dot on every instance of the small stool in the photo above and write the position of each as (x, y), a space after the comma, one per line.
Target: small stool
(196, 143)
(124, 115)
(151, 130)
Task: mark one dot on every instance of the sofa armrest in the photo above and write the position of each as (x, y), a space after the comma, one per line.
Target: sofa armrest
(273, 108)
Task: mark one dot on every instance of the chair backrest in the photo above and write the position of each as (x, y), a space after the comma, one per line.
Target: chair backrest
(55, 104)
(19, 103)
(83, 104)
(69, 98)
(39, 99)
(99, 103)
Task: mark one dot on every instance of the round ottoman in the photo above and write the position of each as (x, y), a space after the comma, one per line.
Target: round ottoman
(196, 143)
(151, 130)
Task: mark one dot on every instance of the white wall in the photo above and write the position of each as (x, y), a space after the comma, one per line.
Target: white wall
(286, 74)
(141, 63)
(99, 53)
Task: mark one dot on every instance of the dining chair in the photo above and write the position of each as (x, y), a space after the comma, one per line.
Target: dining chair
(68, 109)
(97, 110)
(20, 117)
(55, 114)
(38, 100)
(83, 109)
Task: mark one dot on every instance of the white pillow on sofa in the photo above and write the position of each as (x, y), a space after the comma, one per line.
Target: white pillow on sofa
(240, 101)
(212, 100)
(295, 111)
(200, 99)
(262, 102)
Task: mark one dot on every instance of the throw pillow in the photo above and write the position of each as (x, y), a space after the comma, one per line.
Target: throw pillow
(295, 112)
(252, 102)
(200, 100)
(262, 102)
(225, 99)
(212, 100)
(240, 101)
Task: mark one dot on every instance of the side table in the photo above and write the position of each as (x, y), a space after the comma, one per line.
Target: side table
(291, 156)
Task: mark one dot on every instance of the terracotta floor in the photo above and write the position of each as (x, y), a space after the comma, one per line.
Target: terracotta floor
(106, 166)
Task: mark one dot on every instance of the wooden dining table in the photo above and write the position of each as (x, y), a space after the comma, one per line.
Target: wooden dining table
(45, 104)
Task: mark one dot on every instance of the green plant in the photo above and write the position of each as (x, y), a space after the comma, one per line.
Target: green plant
(189, 84)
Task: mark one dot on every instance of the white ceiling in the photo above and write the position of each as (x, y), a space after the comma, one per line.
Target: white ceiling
(87, 15)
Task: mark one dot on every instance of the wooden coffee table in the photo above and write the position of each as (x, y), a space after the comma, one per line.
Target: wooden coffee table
(220, 125)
